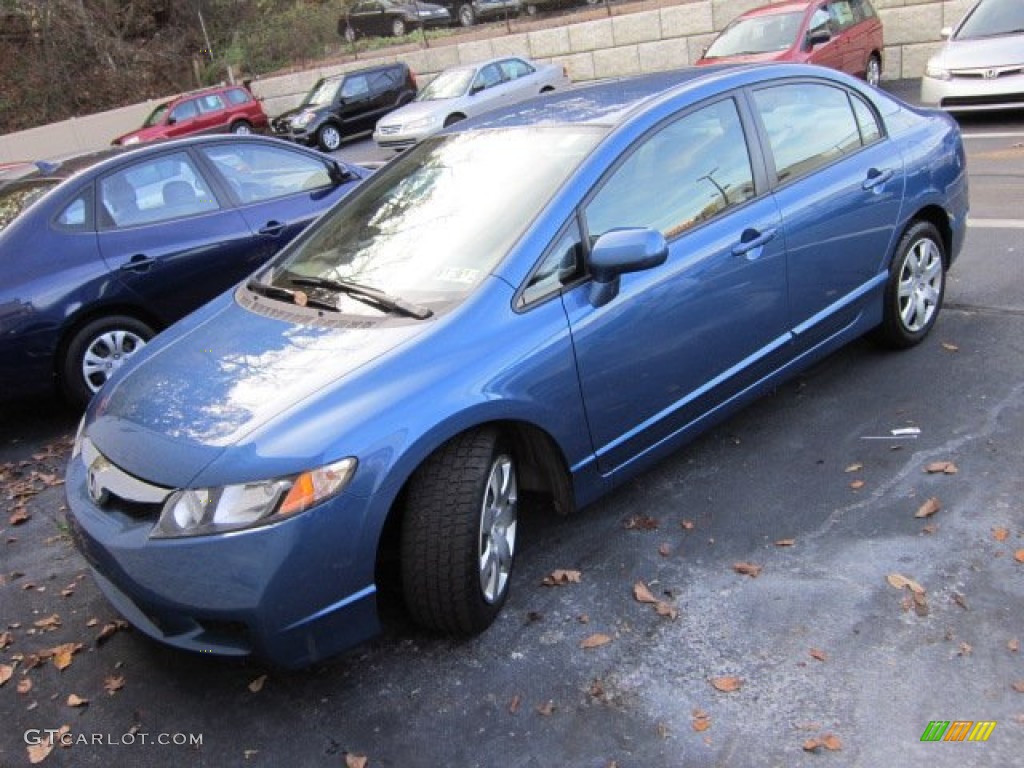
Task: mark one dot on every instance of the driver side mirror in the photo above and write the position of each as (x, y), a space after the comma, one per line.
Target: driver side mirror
(337, 173)
(620, 251)
(817, 36)
(171, 119)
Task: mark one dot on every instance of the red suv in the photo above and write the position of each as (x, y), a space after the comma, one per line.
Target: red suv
(842, 34)
(223, 109)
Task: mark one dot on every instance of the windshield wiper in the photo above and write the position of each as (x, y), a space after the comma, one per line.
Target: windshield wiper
(367, 294)
(276, 292)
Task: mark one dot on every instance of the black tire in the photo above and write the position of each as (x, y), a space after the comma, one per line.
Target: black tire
(350, 34)
(467, 16)
(873, 70)
(241, 127)
(453, 119)
(328, 137)
(398, 28)
(453, 546)
(96, 350)
(916, 287)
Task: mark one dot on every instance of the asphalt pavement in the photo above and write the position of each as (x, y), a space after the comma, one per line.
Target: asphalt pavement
(829, 588)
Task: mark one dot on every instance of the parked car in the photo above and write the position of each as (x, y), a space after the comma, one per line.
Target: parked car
(223, 109)
(346, 104)
(535, 304)
(387, 17)
(469, 12)
(841, 34)
(981, 66)
(101, 251)
(463, 92)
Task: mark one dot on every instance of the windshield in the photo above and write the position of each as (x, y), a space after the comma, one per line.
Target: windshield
(17, 196)
(156, 117)
(322, 94)
(759, 34)
(430, 225)
(448, 85)
(993, 18)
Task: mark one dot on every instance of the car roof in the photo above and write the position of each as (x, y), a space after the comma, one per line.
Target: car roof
(791, 6)
(362, 70)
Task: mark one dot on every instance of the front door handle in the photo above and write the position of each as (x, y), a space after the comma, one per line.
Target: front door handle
(272, 228)
(877, 178)
(752, 241)
(140, 262)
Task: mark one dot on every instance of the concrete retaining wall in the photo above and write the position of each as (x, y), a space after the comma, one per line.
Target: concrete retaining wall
(636, 39)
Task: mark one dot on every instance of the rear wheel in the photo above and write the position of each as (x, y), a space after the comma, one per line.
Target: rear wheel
(97, 351)
(467, 16)
(873, 71)
(459, 534)
(328, 137)
(398, 28)
(350, 34)
(241, 127)
(917, 284)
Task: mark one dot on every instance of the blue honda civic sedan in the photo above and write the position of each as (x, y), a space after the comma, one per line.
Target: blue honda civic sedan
(101, 251)
(537, 303)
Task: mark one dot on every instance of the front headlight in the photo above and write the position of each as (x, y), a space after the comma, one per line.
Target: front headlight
(131, 140)
(418, 125)
(937, 73)
(198, 511)
(302, 119)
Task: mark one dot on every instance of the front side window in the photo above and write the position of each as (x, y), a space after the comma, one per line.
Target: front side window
(184, 111)
(489, 77)
(163, 188)
(259, 173)
(841, 13)
(808, 126)
(686, 173)
(433, 223)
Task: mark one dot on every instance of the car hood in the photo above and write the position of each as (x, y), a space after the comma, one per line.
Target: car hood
(981, 54)
(415, 110)
(298, 110)
(152, 133)
(212, 384)
(747, 58)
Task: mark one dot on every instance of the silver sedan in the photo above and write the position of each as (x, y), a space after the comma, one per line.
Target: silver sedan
(981, 66)
(463, 92)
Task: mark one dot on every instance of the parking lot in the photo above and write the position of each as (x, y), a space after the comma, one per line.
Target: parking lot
(819, 607)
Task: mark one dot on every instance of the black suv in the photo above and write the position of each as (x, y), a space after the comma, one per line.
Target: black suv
(346, 104)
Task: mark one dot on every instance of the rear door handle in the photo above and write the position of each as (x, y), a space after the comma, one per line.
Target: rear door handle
(876, 178)
(272, 228)
(751, 240)
(140, 262)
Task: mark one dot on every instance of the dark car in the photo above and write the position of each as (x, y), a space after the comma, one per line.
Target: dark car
(346, 104)
(386, 17)
(102, 251)
(222, 109)
(842, 34)
(530, 307)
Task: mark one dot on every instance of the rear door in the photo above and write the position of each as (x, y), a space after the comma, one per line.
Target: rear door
(355, 107)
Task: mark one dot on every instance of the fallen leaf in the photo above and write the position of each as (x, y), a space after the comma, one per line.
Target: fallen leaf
(62, 654)
(1000, 534)
(920, 604)
(701, 720)
(664, 609)
(49, 623)
(76, 701)
(662, 731)
(785, 542)
(641, 523)
(642, 594)
(24, 685)
(960, 600)
(950, 347)
(665, 549)
(1013, 645)
(595, 641)
(854, 468)
(257, 685)
(832, 742)
(39, 752)
(6, 638)
(513, 706)
(1018, 686)
(561, 576)
(596, 689)
(944, 467)
(546, 709)
(353, 760)
(900, 581)
(930, 528)
(687, 525)
(747, 569)
(6, 670)
(726, 684)
(112, 684)
(249, 754)
(965, 649)
(19, 516)
(583, 618)
(109, 630)
(857, 485)
(817, 653)
(1019, 555)
(929, 508)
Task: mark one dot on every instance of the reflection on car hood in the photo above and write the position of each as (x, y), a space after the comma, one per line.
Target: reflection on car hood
(983, 53)
(415, 110)
(151, 133)
(748, 57)
(221, 380)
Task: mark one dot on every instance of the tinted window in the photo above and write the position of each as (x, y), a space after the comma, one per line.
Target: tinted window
(261, 173)
(354, 86)
(238, 96)
(842, 14)
(380, 81)
(683, 175)
(167, 187)
(184, 111)
(808, 126)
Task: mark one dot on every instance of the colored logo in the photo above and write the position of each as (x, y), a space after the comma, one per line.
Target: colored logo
(958, 730)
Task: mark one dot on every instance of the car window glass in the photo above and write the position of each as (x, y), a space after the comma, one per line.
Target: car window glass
(683, 175)
(820, 21)
(561, 265)
(258, 173)
(866, 121)
(159, 189)
(808, 126)
(513, 69)
(989, 19)
(238, 96)
(489, 77)
(379, 82)
(353, 87)
(75, 215)
(210, 103)
(841, 14)
(184, 111)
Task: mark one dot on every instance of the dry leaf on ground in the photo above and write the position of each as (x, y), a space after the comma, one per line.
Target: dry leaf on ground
(701, 720)
(513, 706)
(595, 641)
(785, 542)
(747, 569)
(687, 525)
(76, 701)
(561, 576)
(113, 683)
(726, 684)
(257, 685)
(949, 347)
(546, 709)
(6, 670)
(854, 468)
(857, 485)
(829, 741)
(353, 760)
(641, 523)
(24, 685)
(62, 654)
(39, 752)
(1000, 534)
(817, 653)
(929, 508)
(642, 594)
(944, 467)
(1018, 686)
(1013, 645)
(665, 549)
(1019, 555)
(664, 609)
(900, 581)
(6, 638)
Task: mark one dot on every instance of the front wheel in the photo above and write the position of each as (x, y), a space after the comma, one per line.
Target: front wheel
(467, 16)
(398, 28)
(873, 71)
(96, 351)
(350, 34)
(917, 284)
(459, 534)
(328, 137)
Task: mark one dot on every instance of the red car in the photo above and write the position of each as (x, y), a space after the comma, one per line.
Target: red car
(842, 34)
(222, 109)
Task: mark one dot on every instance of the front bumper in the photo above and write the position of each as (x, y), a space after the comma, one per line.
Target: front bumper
(975, 91)
(291, 592)
(394, 137)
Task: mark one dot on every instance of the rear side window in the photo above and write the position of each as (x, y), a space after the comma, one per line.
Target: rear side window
(808, 126)
(210, 103)
(238, 96)
(159, 189)
(513, 69)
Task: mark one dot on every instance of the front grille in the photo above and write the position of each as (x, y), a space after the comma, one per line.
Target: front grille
(993, 73)
(992, 100)
(388, 130)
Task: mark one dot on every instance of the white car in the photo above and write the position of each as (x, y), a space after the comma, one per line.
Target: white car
(463, 92)
(981, 66)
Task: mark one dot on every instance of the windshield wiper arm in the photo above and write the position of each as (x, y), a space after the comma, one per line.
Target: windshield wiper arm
(357, 291)
(276, 292)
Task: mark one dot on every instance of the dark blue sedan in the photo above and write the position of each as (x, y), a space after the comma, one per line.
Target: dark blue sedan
(535, 304)
(102, 251)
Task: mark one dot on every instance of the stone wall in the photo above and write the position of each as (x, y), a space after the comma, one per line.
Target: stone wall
(636, 39)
